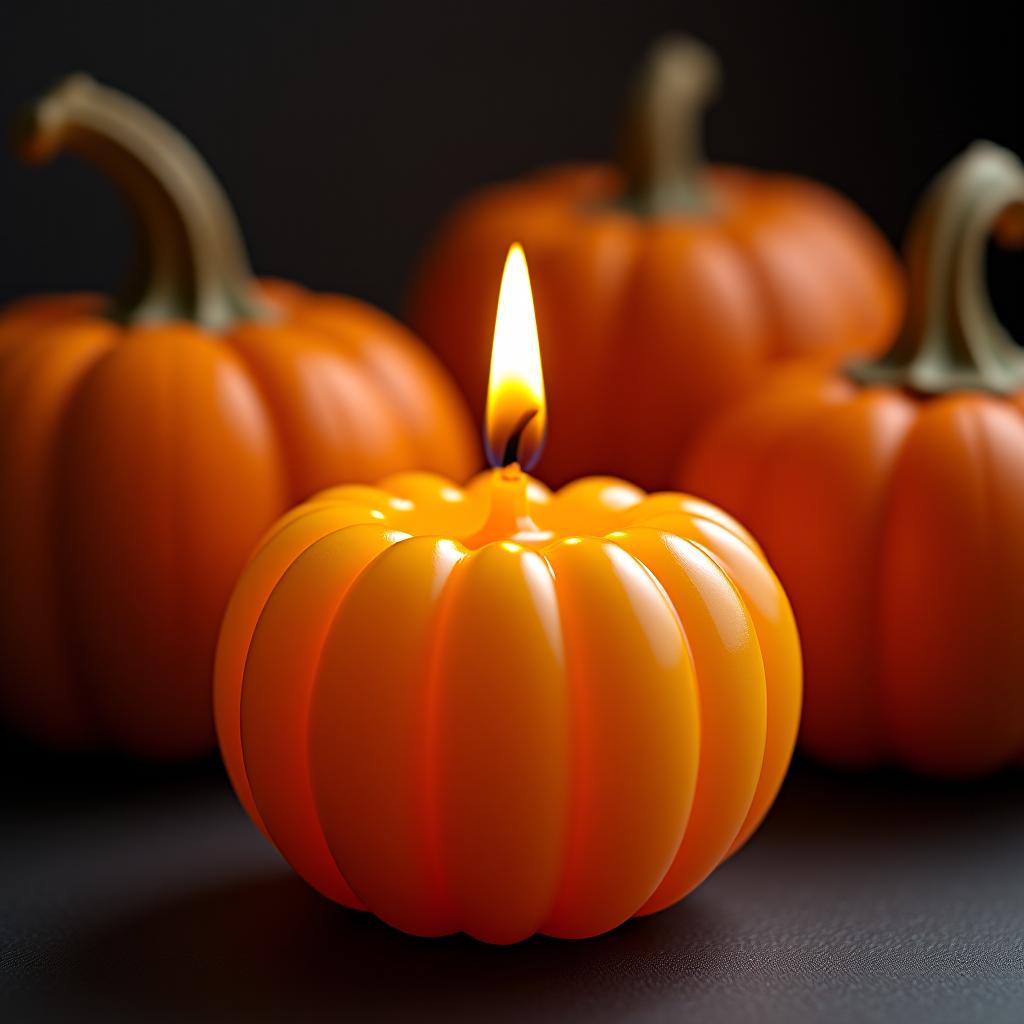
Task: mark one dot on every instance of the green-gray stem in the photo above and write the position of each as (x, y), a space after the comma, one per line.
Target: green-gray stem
(191, 262)
(662, 154)
(952, 339)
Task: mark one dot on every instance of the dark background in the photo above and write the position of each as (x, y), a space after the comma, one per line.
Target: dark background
(343, 131)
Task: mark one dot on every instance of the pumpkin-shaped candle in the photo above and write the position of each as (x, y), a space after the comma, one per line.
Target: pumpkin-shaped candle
(500, 710)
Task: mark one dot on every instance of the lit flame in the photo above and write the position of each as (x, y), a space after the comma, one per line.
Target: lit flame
(516, 410)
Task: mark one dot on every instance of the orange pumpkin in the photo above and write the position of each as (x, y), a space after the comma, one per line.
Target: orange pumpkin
(549, 732)
(890, 498)
(663, 290)
(146, 444)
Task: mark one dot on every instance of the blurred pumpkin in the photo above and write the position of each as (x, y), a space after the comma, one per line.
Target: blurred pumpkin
(146, 443)
(664, 288)
(890, 498)
(551, 732)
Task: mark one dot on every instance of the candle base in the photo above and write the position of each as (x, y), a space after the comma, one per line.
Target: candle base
(509, 516)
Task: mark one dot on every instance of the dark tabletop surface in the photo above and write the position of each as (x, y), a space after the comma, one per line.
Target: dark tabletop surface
(139, 893)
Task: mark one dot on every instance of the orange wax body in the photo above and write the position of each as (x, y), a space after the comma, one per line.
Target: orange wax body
(504, 711)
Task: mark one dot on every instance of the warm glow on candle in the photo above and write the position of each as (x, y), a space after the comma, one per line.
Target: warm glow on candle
(516, 408)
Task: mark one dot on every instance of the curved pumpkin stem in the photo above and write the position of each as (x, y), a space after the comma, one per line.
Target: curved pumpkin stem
(191, 262)
(952, 339)
(662, 153)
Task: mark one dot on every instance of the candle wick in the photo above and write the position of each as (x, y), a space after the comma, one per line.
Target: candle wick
(512, 446)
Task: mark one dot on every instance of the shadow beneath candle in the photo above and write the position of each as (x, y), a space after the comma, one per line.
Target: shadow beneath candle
(123, 918)
(271, 949)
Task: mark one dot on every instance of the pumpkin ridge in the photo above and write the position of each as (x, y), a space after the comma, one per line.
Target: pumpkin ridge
(283, 466)
(242, 783)
(273, 400)
(571, 849)
(759, 481)
(395, 338)
(345, 764)
(81, 695)
(743, 537)
(178, 386)
(882, 680)
(29, 357)
(974, 436)
(768, 311)
(688, 644)
(310, 507)
(330, 610)
(172, 540)
(443, 634)
(656, 581)
(587, 857)
(103, 712)
(503, 743)
(569, 743)
(985, 459)
(780, 719)
(990, 476)
(849, 276)
(726, 522)
(883, 475)
(373, 387)
(705, 777)
(777, 739)
(819, 246)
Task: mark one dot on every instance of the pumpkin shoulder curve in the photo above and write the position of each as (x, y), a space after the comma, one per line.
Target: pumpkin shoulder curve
(401, 381)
